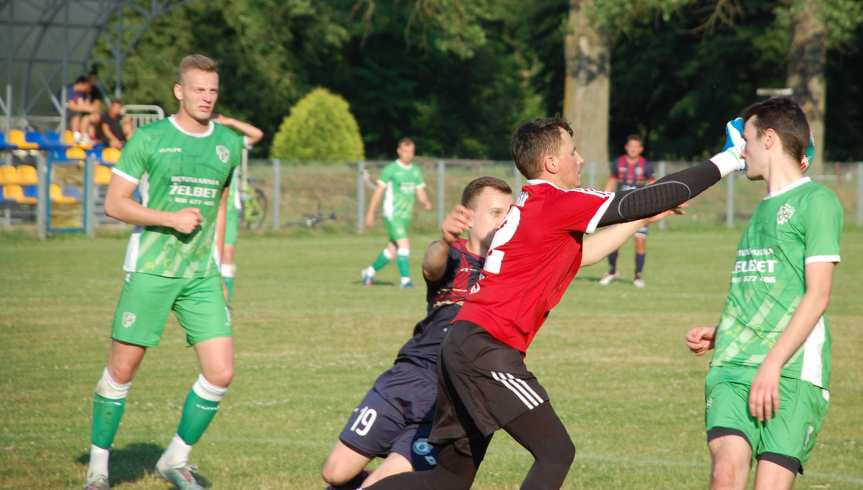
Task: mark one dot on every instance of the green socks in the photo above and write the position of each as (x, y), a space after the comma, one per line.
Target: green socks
(402, 261)
(197, 414)
(107, 413)
(229, 285)
(228, 273)
(382, 260)
(200, 407)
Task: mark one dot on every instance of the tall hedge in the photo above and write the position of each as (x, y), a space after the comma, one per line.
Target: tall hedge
(320, 127)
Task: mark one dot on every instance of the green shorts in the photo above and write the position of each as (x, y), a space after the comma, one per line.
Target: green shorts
(397, 229)
(146, 299)
(792, 430)
(231, 223)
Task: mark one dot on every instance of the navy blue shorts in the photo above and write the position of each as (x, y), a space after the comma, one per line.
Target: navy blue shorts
(396, 416)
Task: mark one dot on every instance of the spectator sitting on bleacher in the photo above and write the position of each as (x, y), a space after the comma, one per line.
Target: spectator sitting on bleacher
(79, 103)
(115, 130)
(91, 128)
(96, 92)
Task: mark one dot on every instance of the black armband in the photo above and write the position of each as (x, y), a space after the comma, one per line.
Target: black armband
(664, 194)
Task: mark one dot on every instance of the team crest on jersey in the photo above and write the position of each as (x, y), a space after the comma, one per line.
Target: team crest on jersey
(128, 319)
(223, 153)
(784, 214)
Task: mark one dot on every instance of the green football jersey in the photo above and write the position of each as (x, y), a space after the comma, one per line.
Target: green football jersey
(402, 181)
(175, 170)
(798, 225)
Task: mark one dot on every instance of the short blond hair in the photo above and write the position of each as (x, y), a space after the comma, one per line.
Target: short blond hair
(195, 62)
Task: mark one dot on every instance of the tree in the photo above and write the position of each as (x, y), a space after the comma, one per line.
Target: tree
(320, 127)
(814, 27)
(586, 86)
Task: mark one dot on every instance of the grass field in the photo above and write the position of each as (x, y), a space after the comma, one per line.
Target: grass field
(310, 341)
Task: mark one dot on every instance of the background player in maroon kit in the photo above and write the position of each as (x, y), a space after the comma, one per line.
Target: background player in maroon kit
(630, 171)
(394, 418)
(483, 384)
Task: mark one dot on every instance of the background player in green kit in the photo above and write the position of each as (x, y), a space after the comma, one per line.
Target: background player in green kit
(399, 183)
(252, 135)
(181, 166)
(767, 387)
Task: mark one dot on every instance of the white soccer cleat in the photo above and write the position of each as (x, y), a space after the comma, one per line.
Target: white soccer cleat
(367, 275)
(607, 279)
(182, 477)
(638, 282)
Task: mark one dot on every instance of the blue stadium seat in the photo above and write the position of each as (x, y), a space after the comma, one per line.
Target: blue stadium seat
(4, 144)
(50, 140)
(31, 191)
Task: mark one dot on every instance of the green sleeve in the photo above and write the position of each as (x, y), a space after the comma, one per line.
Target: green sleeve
(823, 219)
(386, 175)
(418, 175)
(240, 145)
(135, 159)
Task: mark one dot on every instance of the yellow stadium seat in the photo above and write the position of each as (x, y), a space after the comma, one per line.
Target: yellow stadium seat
(102, 175)
(58, 197)
(110, 155)
(14, 191)
(68, 138)
(75, 153)
(19, 139)
(27, 175)
(8, 175)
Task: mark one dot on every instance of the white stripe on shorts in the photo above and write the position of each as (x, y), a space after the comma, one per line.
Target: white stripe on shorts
(526, 388)
(511, 383)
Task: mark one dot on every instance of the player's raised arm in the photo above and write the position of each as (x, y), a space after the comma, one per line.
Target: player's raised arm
(598, 245)
(679, 187)
(454, 224)
(252, 134)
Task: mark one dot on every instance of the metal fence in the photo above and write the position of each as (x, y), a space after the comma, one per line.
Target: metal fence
(336, 194)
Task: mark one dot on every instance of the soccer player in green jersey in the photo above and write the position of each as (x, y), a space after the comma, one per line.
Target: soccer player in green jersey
(767, 386)
(228, 263)
(399, 184)
(181, 166)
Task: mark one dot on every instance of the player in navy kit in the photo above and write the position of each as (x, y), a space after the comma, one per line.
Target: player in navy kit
(628, 172)
(483, 383)
(394, 418)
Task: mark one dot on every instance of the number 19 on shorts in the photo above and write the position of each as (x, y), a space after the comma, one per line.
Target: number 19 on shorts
(364, 421)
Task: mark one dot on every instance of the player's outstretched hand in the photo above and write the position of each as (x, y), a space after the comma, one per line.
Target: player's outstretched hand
(455, 223)
(764, 392)
(731, 157)
(186, 220)
(701, 339)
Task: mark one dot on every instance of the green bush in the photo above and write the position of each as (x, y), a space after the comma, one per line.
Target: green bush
(320, 127)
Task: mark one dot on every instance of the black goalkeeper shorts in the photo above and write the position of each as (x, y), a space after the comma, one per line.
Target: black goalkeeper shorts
(483, 384)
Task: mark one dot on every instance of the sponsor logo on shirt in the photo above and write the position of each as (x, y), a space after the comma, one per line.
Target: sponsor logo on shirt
(407, 187)
(223, 153)
(170, 150)
(754, 265)
(786, 211)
